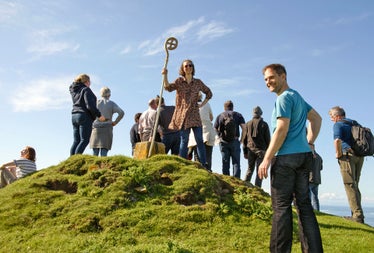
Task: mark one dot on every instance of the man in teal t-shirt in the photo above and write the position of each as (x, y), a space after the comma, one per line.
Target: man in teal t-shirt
(290, 156)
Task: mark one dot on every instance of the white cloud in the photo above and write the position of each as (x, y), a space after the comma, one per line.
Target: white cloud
(235, 85)
(42, 95)
(144, 44)
(351, 20)
(181, 31)
(368, 199)
(331, 196)
(151, 47)
(342, 21)
(8, 11)
(213, 30)
(126, 50)
(44, 42)
(52, 47)
(193, 30)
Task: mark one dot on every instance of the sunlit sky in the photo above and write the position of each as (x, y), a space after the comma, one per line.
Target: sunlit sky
(326, 46)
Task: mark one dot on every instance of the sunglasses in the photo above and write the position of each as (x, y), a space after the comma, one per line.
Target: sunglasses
(188, 65)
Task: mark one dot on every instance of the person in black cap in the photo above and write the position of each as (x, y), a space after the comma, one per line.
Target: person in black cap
(255, 139)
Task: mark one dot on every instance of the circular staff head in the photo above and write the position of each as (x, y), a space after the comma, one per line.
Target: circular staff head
(171, 43)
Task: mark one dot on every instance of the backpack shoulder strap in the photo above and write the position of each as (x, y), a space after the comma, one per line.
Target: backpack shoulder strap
(351, 122)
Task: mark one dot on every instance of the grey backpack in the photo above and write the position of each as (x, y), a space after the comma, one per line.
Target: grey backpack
(362, 139)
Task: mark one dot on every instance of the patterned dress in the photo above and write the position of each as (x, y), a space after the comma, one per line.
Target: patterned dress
(186, 114)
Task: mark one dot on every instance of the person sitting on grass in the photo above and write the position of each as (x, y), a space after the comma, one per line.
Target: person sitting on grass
(11, 171)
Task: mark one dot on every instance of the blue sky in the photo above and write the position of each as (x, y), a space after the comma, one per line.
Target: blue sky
(326, 47)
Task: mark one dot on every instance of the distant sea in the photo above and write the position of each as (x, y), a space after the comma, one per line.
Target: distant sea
(346, 211)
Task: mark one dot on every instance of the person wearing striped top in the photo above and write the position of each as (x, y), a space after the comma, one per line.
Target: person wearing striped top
(11, 171)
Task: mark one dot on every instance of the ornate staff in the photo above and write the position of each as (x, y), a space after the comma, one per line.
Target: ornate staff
(171, 43)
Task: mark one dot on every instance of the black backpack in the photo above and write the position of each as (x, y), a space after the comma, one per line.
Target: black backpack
(363, 139)
(228, 128)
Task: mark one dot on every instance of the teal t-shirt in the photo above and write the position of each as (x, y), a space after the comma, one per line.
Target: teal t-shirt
(292, 106)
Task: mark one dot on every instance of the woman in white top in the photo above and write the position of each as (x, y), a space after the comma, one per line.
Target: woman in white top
(11, 171)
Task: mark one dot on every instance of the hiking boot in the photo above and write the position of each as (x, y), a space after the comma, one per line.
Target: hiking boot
(359, 220)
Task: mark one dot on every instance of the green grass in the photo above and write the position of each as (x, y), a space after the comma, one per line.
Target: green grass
(162, 204)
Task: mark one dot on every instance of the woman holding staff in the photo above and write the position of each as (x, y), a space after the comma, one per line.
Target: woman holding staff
(186, 116)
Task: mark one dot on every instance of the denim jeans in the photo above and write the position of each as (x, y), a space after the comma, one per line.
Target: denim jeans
(230, 150)
(183, 149)
(171, 142)
(290, 181)
(254, 161)
(102, 151)
(313, 194)
(82, 128)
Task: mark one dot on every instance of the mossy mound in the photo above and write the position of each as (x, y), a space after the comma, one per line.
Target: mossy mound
(161, 204)
(87, 194)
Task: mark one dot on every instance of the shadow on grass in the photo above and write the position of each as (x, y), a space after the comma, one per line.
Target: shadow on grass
(329, 226)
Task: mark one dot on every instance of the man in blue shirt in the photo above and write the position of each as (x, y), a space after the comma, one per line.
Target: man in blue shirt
(230, 148)
(290, 156)
(350, 164)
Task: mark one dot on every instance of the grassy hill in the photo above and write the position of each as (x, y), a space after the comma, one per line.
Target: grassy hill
(162, 204)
